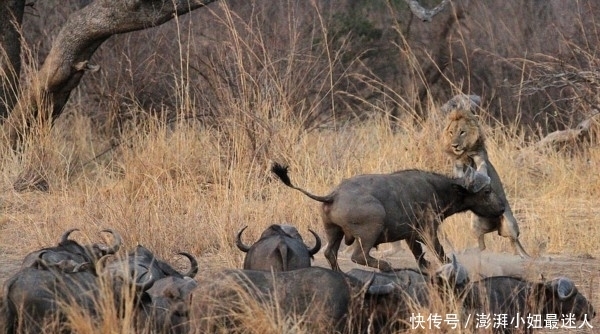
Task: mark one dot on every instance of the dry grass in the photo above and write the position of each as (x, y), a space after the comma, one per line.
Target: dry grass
(173, 190)
(186, 185)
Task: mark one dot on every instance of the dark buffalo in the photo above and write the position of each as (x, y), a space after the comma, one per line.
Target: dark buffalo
(34, 297)
(410, 293)
(324, 300)
(413, 289)
(406, 205)
(69, 254)
(51, 279)
(141, 265)
(280, 248)
(162, 293)
(164, 308)
(413, 281)
(517, 298)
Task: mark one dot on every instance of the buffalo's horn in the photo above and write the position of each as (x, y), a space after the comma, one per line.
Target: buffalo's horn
(238, 242)
(461, 276)
(41, 254)
(39, 263)
(476, 180)
(145, 285)
(101, 263)
(193, 265)
(564, 287)
(317, 246)
(65, 235)
(118, 241)
(480, 181)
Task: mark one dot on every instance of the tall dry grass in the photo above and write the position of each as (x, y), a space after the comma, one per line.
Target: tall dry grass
(177, 183)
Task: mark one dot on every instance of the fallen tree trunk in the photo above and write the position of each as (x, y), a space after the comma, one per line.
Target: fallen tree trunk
(586, 132)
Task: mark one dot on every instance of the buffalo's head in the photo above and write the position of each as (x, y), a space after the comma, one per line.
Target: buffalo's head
(479, 196)
(560, 296)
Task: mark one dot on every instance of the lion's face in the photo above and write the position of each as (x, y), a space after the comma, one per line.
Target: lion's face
(462, 133)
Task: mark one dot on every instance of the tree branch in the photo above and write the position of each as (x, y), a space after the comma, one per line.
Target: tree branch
(82, 34)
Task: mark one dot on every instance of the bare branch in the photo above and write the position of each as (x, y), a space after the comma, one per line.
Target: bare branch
(67, 61)
(423, 14)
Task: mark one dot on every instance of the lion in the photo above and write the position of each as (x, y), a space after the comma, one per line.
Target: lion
(464, 141)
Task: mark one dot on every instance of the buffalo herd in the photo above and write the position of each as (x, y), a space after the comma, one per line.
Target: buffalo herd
(59, 284)
(95, 280)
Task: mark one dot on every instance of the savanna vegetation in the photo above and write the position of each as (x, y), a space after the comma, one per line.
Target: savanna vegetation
(170, 138)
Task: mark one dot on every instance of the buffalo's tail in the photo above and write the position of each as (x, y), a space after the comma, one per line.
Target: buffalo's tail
(282, 173)
(283, 251)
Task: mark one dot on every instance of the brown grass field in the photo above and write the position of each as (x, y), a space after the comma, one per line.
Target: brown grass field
(186, 185)
(180, 188)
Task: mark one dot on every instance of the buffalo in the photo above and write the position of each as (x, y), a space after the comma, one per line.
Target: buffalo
(34, 297)
(516, 299)
(410, 292)
(320, 299)
(413, 289)
(141, 265)
(55, 280)
(164, 307)
(280, 248)
(70, 254)
(406, 205)
(162, 294)
(52, 278)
